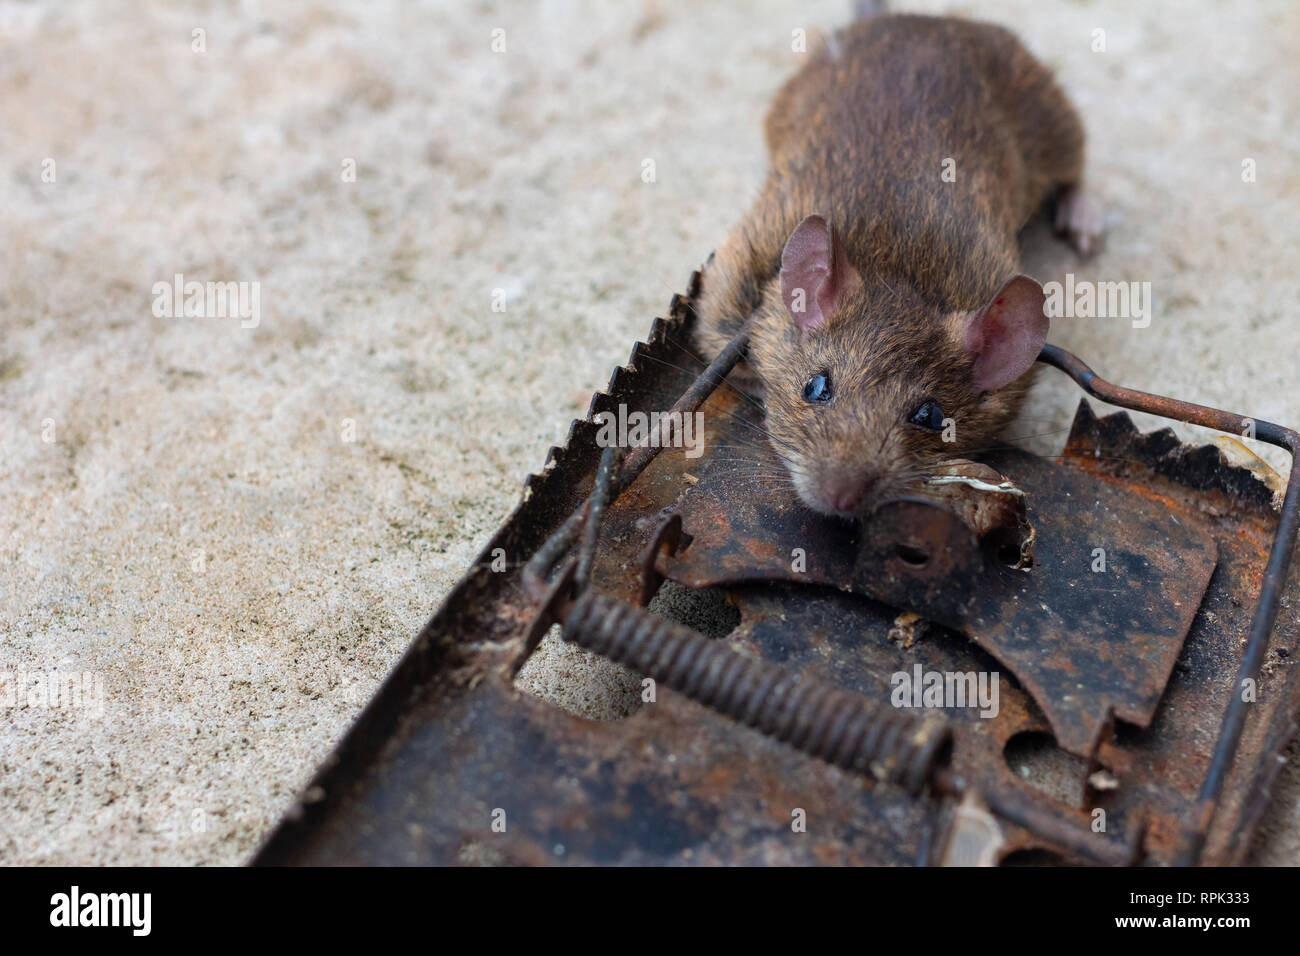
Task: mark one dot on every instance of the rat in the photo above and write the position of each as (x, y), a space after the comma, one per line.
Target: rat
(877, 273)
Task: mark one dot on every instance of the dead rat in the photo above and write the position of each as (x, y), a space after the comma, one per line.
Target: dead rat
(877, 272)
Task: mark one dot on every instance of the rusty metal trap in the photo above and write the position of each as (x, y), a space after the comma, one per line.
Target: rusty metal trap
(1169, 684)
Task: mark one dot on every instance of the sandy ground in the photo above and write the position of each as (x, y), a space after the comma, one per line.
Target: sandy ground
(234, 531)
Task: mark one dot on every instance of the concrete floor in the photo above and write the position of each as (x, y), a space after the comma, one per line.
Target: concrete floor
(235, 531)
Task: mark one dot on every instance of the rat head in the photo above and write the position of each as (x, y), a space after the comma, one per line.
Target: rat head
(868, 387)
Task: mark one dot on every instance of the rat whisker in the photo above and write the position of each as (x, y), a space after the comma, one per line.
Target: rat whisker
(703, 364)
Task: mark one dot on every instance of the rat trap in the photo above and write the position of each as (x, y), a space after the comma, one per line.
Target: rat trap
(1138, 617)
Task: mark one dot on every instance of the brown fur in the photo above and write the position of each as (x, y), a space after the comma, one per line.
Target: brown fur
(859, 136)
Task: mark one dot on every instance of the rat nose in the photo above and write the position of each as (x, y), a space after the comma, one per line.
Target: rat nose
(845, 497)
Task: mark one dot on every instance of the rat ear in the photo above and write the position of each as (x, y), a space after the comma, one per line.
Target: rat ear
(1007, 333)
(815, 273)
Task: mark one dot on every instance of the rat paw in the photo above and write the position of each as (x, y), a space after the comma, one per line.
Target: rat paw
(1080, 221)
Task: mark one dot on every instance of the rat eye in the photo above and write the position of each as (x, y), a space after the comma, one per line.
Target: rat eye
(818, 389)
(929, 416)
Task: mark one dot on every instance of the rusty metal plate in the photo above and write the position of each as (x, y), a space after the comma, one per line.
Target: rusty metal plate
(1086, 643)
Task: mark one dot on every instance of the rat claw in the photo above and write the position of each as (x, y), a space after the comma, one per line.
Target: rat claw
(1079, 219)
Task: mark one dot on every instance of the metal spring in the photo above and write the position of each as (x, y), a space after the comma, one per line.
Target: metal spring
(840, 727)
